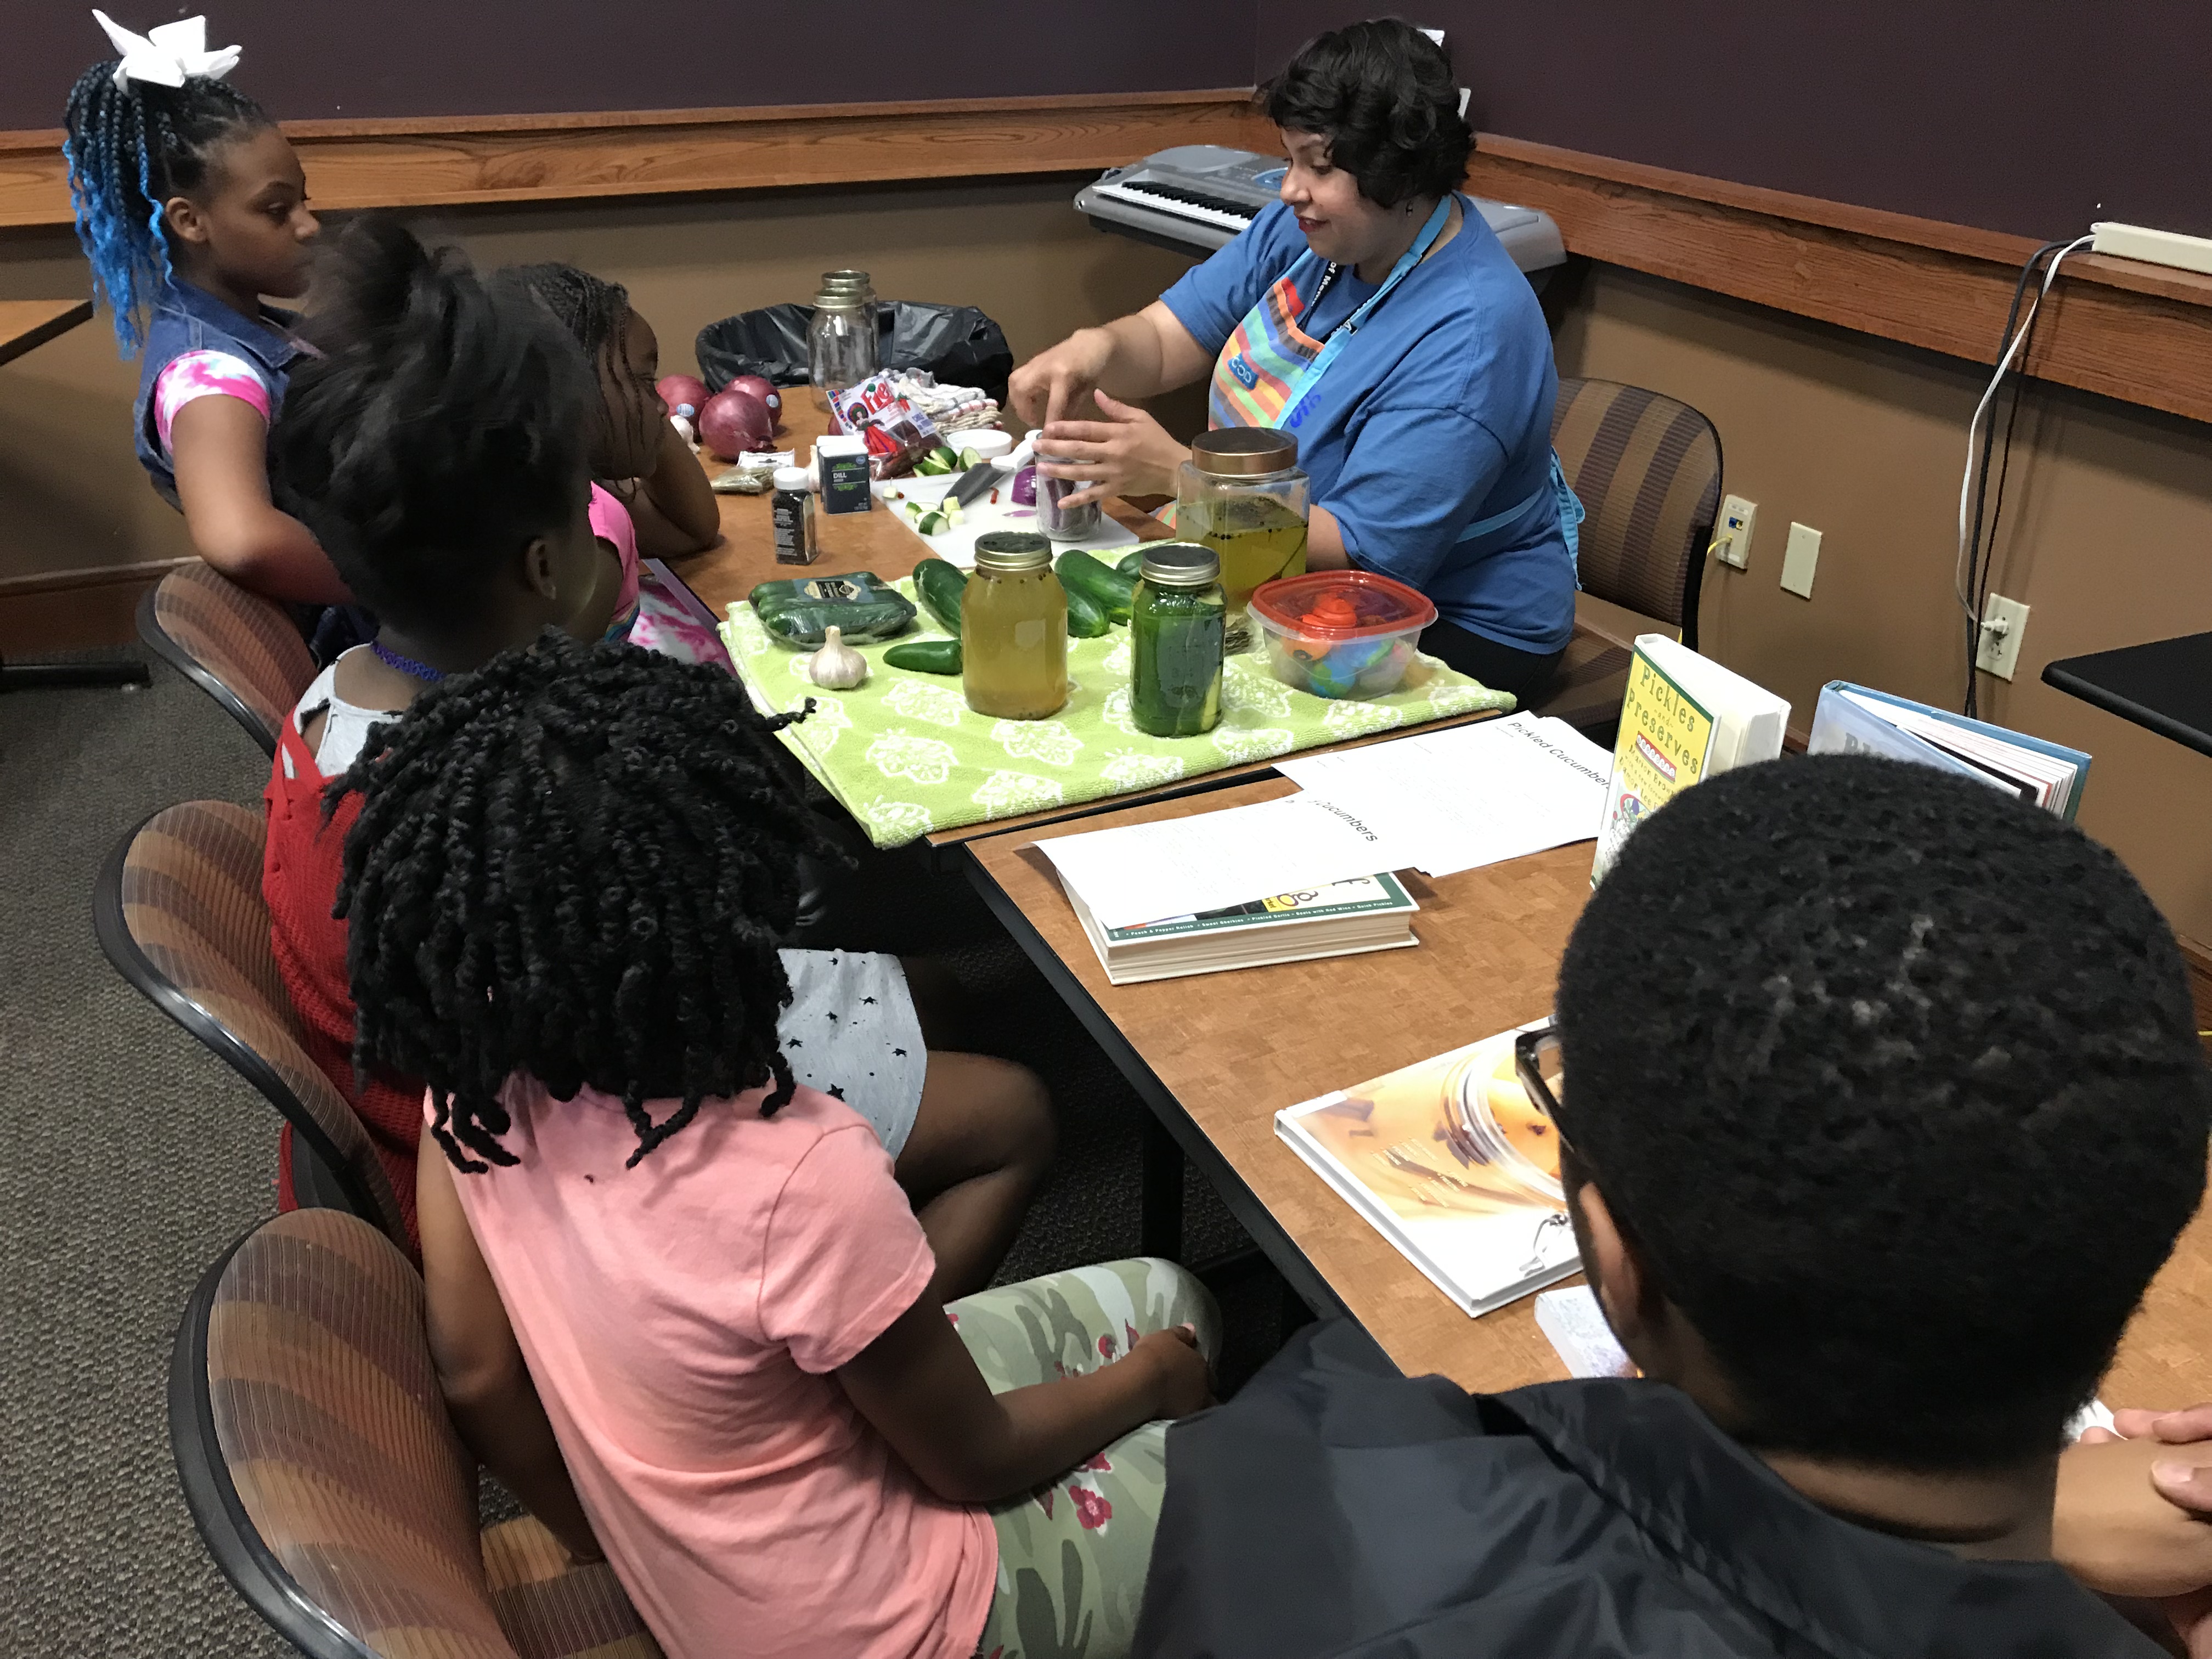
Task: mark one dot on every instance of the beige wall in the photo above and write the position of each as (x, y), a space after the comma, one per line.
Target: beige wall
(72, 494)
(2107, 536)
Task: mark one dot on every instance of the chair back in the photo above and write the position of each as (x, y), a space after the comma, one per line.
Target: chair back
(1648, 470)
(239, 648)
(177, 909)
(325, 1477)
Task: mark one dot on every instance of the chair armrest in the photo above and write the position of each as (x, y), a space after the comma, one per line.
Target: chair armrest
(1616, 624)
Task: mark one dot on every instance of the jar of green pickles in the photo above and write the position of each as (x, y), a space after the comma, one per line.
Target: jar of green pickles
(1176, 633)
(1013, 630)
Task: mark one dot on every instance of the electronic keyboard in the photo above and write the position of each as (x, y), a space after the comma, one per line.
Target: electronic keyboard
(1195, 198)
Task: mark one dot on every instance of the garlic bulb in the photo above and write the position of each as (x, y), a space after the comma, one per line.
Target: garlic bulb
(836, 667)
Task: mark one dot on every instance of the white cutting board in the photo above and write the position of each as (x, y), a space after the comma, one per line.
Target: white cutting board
(956, 546)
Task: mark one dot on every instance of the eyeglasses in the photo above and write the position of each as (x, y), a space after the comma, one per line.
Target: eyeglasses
(1536, 1062)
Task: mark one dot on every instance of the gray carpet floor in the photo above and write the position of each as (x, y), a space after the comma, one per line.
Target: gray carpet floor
(130, 1159)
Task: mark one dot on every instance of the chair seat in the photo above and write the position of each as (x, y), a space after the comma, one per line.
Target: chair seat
(551, 1609)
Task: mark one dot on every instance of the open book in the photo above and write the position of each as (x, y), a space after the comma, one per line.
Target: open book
(1450, 1160)
(1683, 719)
(1856, 719)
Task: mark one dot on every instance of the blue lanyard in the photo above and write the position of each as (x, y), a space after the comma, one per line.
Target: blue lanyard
(1339, 337)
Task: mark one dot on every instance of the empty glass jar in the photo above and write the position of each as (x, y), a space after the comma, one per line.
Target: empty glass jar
(840, 341)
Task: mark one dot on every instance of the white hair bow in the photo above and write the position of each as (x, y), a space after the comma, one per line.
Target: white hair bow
(167, 53)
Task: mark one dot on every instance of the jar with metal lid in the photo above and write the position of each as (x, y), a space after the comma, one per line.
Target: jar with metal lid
(840, 341)
(1242, 493)
(1013, 630)
(1175, 639)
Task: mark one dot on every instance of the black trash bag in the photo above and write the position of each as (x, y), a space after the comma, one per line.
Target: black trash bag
(957, 343)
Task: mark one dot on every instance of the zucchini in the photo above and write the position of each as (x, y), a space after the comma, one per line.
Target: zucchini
(797, 612)
(1086, 621)
(929, 656)
(938, 585)
(1131, 564)
(1109, 590)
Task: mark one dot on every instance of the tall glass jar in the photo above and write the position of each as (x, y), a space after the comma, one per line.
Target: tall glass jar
(1060, 522)
(1013, 630)
(840, 341)
(1176, 632)
(1242, 493)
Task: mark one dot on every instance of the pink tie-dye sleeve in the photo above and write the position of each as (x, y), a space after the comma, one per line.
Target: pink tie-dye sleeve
(205, 374)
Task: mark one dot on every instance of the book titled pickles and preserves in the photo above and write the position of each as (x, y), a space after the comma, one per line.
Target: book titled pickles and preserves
(1367, 913)
(1683, 719)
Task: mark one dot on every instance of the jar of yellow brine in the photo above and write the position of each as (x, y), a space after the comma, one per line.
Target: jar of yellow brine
(1013, 630)
(1243, 495)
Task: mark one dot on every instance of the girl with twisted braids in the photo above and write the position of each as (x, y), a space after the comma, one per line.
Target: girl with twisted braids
(649, 494)
(191, 206)
(438, 446)
(676, 1298)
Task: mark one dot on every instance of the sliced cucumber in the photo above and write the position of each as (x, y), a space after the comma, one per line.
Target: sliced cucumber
(933, 524)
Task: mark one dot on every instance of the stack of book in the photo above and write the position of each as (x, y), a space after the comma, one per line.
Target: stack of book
(1369, 913)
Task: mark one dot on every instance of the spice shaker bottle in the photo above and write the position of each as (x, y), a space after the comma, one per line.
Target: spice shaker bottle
(1175, 631)
(790, 510)
(1063, 523)
(840, 341)
(1013, 630)
(1243, 495)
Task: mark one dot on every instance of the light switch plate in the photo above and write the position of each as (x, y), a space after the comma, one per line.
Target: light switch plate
(1732, 536)
(2003, 621)
(1798, 559)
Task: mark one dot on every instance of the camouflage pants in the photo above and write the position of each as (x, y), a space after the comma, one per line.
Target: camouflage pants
(1073, 1555)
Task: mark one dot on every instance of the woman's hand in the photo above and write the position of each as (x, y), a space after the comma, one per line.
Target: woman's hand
(1045, 387)
(1183, 1384)
(1127, 454)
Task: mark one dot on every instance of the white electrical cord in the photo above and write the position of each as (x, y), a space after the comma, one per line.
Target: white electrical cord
(1982, 410)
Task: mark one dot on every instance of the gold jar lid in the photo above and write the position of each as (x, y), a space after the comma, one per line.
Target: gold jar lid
(1242, 451)
(1180, 564)
(1012, 552)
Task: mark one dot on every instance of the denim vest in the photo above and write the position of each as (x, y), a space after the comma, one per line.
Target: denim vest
(185, 318)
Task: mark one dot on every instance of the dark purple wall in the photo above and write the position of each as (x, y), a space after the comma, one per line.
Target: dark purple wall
(2034, 116)
(308, 58)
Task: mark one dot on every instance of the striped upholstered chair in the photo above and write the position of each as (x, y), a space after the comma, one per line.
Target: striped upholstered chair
(1648, 470)
(239, 648)
(178, 909)
(325, 1477)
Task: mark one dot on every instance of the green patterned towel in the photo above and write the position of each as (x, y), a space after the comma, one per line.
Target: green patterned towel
(907, 756)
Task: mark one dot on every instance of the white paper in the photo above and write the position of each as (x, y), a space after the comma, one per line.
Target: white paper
(1470, 795)
(1142, 872)
(1583, 1341)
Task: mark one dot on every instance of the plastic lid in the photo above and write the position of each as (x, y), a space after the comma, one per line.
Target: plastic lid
(1237, 452)
(794, 477)
(1009, 552)
(1180, 564)
(1342, 605)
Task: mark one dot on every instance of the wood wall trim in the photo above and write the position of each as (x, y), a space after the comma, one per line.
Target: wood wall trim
(441, 163)
(76, 610)
(2137, 333)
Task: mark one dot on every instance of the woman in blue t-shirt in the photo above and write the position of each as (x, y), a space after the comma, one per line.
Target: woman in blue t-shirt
(1374, 314)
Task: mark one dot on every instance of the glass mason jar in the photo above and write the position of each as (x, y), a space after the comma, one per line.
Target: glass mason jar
(1063, 524)
(840, 341)
(1175, 629)
(1013, 630)
(1241, 493)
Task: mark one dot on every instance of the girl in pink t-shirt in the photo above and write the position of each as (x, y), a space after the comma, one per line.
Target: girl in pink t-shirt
(677, 1302)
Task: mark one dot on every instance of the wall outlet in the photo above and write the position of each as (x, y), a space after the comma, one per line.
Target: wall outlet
(1732, 537)
(2003, 622)
(1798, 559)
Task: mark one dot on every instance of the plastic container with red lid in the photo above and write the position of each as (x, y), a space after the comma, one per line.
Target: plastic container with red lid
(1340, 633)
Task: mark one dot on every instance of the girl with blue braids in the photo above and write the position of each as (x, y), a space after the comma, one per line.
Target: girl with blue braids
(192, 205)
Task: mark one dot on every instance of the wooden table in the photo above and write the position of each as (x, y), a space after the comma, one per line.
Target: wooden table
(877, 541)
(1216, 1056)
(25, 323)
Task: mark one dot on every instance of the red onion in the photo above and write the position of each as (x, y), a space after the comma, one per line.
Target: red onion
(1025, 487)
(734, 423)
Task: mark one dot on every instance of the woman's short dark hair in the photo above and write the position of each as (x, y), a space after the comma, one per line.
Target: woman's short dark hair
(1383, 94)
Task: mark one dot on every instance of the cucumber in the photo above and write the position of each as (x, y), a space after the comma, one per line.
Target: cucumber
(968, 457)
(933, 523)
(944, 452)
(1109, 590)
(938, 585)
(1131, 564)
(1086, 621)
(929, 656)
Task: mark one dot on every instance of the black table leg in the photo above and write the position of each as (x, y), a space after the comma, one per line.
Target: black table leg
(1160, 1226)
